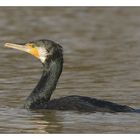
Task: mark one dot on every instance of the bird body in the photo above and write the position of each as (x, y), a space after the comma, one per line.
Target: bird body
(81, 103)
(51, 56)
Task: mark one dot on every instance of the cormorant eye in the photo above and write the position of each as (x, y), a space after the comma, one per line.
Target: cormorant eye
(33, 45)
(30, 45)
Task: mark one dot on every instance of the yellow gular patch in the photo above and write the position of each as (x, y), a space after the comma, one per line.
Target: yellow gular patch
(33, 50)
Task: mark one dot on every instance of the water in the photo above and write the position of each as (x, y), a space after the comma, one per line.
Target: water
(102, 60)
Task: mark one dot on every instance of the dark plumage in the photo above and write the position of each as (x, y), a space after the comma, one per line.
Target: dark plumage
(81, 103)
(52, 68)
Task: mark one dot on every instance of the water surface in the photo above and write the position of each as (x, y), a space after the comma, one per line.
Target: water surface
(101, 59)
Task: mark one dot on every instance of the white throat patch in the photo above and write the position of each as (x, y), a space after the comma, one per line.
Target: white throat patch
(42, 54)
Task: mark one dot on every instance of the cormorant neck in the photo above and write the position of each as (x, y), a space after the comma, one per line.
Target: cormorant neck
(47, 84)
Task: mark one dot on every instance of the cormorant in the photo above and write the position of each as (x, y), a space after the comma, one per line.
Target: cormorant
(51, 56)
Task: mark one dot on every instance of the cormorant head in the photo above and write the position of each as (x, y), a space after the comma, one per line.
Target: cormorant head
(44, 50)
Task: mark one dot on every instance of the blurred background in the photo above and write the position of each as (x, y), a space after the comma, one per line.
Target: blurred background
(101, 60)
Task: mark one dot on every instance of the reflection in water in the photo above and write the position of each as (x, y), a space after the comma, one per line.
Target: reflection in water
(29, 122)
(54, 125)
(102, 60)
